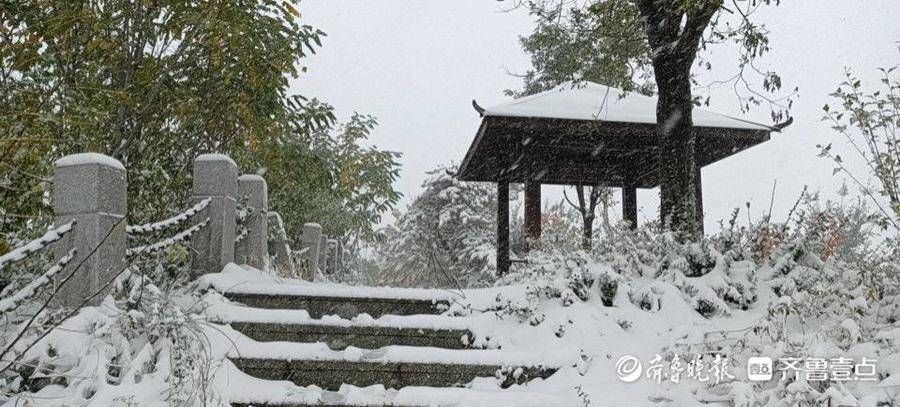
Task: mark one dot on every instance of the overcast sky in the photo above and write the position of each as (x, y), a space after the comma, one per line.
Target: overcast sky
(416, 66)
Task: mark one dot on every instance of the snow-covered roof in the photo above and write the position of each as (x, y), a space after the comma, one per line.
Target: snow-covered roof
(591, 101)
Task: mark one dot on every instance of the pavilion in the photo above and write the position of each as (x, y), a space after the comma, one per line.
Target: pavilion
(586, 134)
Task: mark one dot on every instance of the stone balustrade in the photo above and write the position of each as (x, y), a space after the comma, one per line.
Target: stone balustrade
(90, 189)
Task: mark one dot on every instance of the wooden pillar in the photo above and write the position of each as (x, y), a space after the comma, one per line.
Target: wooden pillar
(533, 210)
(502, 227)
(629, 205)
(698, 196)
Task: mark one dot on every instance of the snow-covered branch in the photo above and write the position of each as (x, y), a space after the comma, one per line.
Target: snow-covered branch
(168, 223)
(30, 290)
(35, 245)
(178, 238)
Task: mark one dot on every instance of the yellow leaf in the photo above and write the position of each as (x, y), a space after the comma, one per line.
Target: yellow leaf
(290, 9)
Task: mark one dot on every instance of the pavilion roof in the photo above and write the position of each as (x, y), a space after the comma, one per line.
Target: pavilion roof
(590, 134)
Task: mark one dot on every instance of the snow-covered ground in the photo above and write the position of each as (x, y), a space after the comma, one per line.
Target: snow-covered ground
(585, 339)
(691, 316)
(536, 321)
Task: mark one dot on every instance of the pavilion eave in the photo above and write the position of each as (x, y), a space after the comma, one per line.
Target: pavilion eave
(588, 152)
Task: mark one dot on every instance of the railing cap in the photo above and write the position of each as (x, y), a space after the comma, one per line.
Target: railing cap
(89, 159)
(215, 157)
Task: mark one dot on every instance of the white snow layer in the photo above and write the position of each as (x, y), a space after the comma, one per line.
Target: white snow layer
(215, 157)
(242, 279)
(591, 101)
(593, 339)
(89, 158)
(585, 339)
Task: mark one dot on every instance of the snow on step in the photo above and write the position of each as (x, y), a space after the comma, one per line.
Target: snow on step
(223, 312)
(240, 280)
(340, 337)
(363, 331)
(331, 375)
(393, 366)
(256, 289)
(346, 307)
(246, 348)
(418, 396)
(250, 391)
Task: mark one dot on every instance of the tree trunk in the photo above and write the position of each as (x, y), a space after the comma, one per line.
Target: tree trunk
(677, 143)
(587, 231)
(587, 209)
(674, 34)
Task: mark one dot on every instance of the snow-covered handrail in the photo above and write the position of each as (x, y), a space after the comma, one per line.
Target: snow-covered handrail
(35, 245)
(155, 247)
(168, 223)
(28, 291)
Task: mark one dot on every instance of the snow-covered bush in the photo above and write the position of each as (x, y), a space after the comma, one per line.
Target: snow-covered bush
(712, 274)
(824, 284)
(445, 238)
(144, 345)
(560, 227)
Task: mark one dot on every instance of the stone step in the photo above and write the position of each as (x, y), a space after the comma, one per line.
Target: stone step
(321, 405)
(409, 397)
(367, 337)
(346, 307)
(331, 374)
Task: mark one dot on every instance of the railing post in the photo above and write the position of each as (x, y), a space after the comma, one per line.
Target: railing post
(279, 246)
(339, 264)
(323, 257)
(332, 256)
(215, 177)
(253, 250)
(312, 234)
(90, 189)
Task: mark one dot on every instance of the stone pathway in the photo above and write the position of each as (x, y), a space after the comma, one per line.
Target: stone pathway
(433, 354)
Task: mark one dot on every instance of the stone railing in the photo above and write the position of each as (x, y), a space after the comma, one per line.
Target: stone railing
(229, 222)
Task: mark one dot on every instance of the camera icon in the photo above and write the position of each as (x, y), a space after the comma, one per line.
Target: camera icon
(759, 369)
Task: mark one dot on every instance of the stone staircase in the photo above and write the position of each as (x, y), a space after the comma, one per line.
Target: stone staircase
(363, 355)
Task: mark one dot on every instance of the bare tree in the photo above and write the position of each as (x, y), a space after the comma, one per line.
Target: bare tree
(587, 208)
